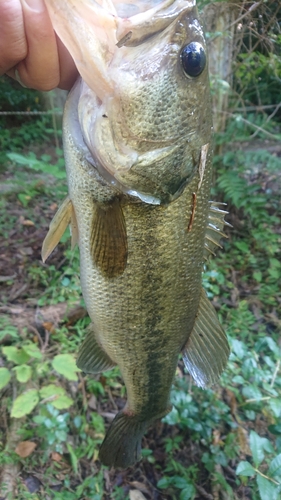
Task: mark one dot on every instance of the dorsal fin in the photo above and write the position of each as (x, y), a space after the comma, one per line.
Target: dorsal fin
(214, 231)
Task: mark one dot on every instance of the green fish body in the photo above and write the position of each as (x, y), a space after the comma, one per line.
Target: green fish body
(138, 151)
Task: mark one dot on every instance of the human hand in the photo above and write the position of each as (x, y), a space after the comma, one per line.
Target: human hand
(30, 51)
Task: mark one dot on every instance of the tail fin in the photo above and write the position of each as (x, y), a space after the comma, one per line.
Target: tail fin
(122, 444)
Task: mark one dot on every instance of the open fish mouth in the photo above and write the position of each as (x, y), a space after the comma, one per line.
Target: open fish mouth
(122, 50)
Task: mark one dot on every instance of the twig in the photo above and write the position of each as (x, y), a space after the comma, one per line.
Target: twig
(84, 395)
(47, 338)
(204, 493)
(34, 330)
(250, 10)
(275, 373)
(260, 129)
(11, 469)
(111, 399)
(267, 477)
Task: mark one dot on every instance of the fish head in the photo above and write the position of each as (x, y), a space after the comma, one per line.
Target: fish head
(144, 106)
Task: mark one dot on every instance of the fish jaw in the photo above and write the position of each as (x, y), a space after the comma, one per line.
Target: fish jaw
(89, 33)
(131, 140)
(138, 110)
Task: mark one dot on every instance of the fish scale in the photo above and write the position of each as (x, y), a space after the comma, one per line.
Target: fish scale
(139, 177)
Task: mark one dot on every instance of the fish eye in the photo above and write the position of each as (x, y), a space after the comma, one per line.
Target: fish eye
(193, 59)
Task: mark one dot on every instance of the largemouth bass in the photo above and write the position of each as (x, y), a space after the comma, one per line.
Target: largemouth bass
(138, 151)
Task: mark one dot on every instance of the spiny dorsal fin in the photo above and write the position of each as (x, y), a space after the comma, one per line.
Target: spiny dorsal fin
(109, 246)
(92, 358)
(214, 231)
(206, 352)
(57, 227)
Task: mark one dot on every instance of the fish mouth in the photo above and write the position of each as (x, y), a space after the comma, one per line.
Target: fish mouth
(93, 30)
(104, 43)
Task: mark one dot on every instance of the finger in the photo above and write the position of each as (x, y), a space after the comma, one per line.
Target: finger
(40, 68)
(13, 45)
(68, 70)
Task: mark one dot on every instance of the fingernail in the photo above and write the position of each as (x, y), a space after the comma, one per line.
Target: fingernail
(17, 77)
(35, 5)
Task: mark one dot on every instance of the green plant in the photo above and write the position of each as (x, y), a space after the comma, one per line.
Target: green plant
(29, 364)
(266, 470)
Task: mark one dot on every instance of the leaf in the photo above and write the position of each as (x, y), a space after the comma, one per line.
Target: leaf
(25, 448)
(17, 356)
(275, 467)
(32, 350)
(57, 396)
(62, 402)
(24, 404)
(5, 377)
(275, 405)
(164, 482)
(65, 365)
(188, 492)
(239, 348)
(23, 373)
(258, 445)
(252, 392)
(244, 468)
(180, 482)
(73, 458)
(51, 390)
(136, 495)
(56, 456)
(267, 489)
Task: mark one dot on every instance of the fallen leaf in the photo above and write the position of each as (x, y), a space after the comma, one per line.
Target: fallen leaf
(25, 448)
(49, 326)
(136, 495)
(92, 403)
(26, 251)
(140, 486)
(28, 222)
(243, 441)
(56, 456)
(217, 438)
(32, 483)
(53, 206)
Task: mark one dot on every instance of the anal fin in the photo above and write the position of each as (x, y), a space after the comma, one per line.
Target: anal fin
(92, 358)
(109, 246)
(57, 227)
(206, 352)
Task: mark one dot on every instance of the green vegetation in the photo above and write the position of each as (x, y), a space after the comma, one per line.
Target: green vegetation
(221, 443)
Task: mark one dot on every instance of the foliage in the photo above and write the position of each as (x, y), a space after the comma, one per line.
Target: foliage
(269, 484)
(28, 364)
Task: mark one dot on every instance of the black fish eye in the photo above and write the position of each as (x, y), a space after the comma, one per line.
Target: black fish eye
(193, 59)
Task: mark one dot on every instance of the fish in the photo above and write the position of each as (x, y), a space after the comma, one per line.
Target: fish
(137, 134)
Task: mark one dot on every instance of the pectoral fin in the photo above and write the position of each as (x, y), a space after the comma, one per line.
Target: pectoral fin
(109, 247)
(61, 220)
(206, 352)
(92, 358)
